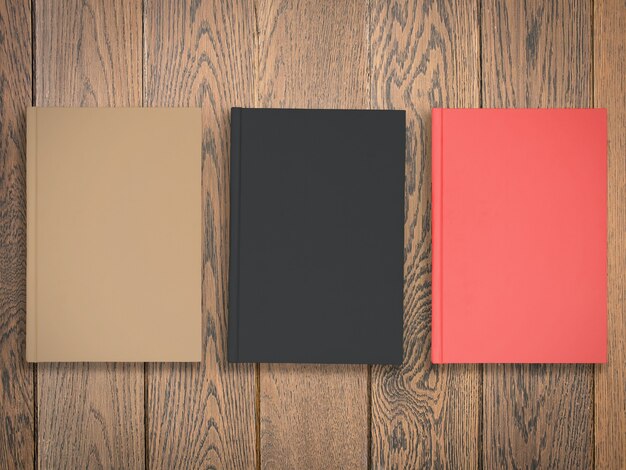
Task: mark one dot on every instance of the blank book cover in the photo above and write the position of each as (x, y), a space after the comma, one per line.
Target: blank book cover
(519, 221)
(114, 255)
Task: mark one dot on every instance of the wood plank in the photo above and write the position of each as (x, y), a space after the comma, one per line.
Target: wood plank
(88, 53)
(537, 54)
(313, 54)
(610, 92)
(423, 56)
(17, 442)
(201, 53)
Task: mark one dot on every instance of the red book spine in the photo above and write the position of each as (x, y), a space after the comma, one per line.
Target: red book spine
(436, 230)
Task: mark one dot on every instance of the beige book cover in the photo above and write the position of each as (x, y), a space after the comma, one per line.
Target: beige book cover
(114, 256)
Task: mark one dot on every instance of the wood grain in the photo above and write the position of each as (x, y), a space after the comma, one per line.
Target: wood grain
(88, 53)
(201, 53)
(423, 56)
(313, 416)
(313, 54)
(610, 92)
(537, 54)
(17, 444)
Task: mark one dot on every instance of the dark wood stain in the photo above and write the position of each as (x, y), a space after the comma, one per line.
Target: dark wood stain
(17, 420)
(537, 54)
(90, 415)
(423, 56)
(609, 38)
(202, 54)
(304, 53)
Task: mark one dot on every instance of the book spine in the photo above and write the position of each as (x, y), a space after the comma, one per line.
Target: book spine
(235, 200)
(437, 255)
(31, 234)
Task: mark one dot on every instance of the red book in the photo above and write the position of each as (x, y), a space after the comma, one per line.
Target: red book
(519, 223)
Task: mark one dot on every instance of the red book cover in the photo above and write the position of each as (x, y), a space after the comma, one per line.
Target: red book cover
(519, 224)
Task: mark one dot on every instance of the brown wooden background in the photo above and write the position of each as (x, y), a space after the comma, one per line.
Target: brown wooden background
(216, 54)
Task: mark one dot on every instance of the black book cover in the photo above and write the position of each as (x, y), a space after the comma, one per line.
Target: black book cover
(317, 236)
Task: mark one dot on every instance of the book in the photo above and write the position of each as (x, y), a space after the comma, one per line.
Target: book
(519, 226)
(114, 227)
(317, 236)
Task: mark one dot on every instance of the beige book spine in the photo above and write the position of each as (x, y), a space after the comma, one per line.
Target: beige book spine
(31, 234)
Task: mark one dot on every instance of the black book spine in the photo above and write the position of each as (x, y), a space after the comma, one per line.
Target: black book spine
(235, 193)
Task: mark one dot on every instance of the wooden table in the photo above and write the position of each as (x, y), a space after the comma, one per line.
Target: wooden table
(309, 53)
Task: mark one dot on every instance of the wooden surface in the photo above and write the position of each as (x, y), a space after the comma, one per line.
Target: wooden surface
(609, 91)
(537, 54)
(304, 53)
(17, 446)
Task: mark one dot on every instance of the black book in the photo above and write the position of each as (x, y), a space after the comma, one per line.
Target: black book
(317, 236)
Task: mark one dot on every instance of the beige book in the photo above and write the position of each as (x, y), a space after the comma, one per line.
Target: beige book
(114, 212)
